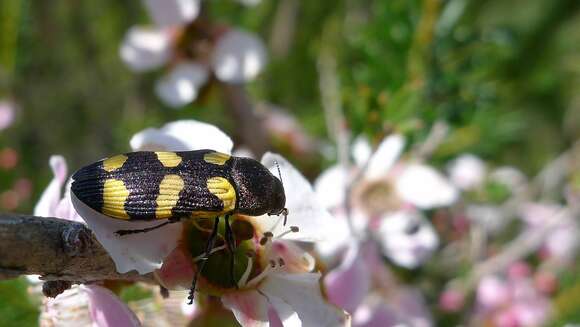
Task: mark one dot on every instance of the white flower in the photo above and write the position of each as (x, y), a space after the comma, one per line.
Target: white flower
(385, 200)
(285, 283)
(238, 57)
(173, 12)
(467, 171)
(182, 135)
(146, 48)
(292, 290)
(181, 85)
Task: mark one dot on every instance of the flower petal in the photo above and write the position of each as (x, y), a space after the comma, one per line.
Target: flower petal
(492, 292)
(7, 114)
(467, 172)
(145, 48)
(50, 198)
(376, 314)
(341, 234)
(182, 135)
(407, 238)
(177, 270)
(143, 252)
(296, 260)
(361, 151)
(302, 293)
(348, 284)
(172, 12)
(181, 85)
(286, 316)
(425, 187)
(107, 309)
(330, 186)
(385, 156)
(249, 307)
(65, 208)
(305, 211)
(238, 57)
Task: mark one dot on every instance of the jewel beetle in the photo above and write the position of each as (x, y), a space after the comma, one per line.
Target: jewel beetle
(171, 186)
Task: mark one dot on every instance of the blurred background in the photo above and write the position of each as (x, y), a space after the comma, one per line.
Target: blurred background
(502, 76)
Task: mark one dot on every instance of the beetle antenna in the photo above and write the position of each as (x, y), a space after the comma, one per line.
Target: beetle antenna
(279, 173)
(284, 211)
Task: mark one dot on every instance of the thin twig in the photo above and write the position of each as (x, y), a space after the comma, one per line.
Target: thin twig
(241, 108)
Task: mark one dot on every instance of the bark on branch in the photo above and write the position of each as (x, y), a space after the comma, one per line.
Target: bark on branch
(56, 249)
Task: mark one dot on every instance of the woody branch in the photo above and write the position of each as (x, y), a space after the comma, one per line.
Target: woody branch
(58, 250)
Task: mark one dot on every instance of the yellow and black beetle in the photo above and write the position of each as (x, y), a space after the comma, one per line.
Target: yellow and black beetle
(171, 186)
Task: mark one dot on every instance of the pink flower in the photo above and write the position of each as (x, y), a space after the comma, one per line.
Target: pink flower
(363, 286)
(106, 309)
(514, 301)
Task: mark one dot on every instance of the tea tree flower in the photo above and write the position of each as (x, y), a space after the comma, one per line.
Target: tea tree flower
(386, 200)
(231, 55)
(276, 275)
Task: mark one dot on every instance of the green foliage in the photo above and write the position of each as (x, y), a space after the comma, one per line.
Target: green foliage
(17, 309)
(134, 293)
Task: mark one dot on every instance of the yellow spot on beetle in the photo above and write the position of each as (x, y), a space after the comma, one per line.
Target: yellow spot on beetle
(216, 158)
(168, 159)
(114, 163)
(222, 188)
(114, 196)
(169, 189)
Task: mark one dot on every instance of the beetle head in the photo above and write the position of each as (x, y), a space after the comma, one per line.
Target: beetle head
(259, 192)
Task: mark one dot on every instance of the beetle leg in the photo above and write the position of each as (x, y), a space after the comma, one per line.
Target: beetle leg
(123, 232)
(208, 247)
(231, 244)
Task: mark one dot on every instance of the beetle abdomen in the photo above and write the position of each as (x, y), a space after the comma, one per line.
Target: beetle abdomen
(158, 185)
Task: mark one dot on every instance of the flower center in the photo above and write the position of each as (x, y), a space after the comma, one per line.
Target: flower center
(378, 197)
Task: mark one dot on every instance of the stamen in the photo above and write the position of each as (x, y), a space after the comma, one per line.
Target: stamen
(244, 279)
(263, 241)
(281, 262)
(293, 229)
(214, 250)
(259, 278)
(272, 263)
(268, 234)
